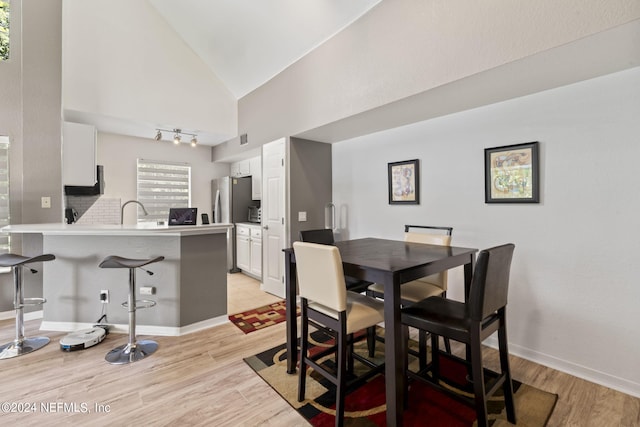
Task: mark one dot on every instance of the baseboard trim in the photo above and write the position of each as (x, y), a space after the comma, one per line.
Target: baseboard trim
(602, 378)
(169, 331)
(11, 314)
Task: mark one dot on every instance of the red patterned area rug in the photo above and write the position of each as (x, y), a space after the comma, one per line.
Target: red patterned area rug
(365, 405)
(261, 317)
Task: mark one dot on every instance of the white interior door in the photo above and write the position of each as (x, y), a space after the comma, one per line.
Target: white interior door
(273, 216)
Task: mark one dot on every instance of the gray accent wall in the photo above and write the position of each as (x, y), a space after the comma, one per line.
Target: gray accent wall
(191, 282)
(309, 184)
(203, 277)
(30, 114)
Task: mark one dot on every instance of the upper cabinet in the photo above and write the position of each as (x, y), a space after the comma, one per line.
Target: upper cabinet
(241, 168)
(78, 154)
(256, 178)
(251, 167)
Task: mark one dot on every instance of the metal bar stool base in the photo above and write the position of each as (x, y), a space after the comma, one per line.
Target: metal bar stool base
(28, 345)
(129, 353)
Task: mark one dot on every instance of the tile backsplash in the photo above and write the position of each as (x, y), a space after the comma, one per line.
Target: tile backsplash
(95, 209)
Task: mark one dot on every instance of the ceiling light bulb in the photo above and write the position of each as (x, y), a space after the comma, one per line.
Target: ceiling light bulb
(194, 141)
(176, 139)
(158, 136)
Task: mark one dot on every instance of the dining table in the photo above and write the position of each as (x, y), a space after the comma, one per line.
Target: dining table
(390, 263)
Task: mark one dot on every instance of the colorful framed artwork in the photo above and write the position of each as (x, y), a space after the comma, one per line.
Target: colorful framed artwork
(511, 174)
(404, 182)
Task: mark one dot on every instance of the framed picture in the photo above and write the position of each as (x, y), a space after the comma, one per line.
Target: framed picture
(511, 174)
(404, 182)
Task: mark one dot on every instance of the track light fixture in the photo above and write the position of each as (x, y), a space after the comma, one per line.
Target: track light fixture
(177, 136)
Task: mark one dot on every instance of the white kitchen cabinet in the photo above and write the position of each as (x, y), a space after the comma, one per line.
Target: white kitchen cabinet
(234, 169)
(243, 248)
(78, 154)
(241, 168)
(249, 249)
(256, 177)
(256, 251)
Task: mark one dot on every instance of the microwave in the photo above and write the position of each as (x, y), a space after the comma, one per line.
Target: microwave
(255, 214)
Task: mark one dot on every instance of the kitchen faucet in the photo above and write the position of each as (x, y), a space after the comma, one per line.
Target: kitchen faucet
(125, 204)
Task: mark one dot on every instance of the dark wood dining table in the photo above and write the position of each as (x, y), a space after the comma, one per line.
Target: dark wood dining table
(390, 263)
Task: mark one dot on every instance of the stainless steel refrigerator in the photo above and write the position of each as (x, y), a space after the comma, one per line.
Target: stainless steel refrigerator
(231, 200)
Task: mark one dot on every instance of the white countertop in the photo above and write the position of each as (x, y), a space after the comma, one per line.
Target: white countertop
(116, 230)
(249, 224)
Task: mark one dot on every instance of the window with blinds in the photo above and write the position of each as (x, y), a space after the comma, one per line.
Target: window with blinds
(162, 185)
(4, 192)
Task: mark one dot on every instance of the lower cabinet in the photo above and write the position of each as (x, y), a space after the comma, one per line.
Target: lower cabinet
(249, 249)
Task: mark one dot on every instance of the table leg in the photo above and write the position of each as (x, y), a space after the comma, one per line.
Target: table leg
(290, 304)
(468, 275)
(394, 358)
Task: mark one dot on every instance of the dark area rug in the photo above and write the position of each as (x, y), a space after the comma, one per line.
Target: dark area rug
(365, 405)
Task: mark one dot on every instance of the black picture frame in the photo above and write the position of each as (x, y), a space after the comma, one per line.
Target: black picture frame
(404, 182)
(511, 173)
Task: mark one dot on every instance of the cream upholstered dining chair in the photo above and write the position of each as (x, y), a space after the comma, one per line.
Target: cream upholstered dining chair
(326, 304)
(324, 236)
(424, 287)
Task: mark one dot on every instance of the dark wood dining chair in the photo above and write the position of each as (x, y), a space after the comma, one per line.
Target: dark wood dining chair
(323, 236)
(326, 304)
(471, 323)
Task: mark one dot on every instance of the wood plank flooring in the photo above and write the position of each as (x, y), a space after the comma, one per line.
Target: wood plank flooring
(200, 379)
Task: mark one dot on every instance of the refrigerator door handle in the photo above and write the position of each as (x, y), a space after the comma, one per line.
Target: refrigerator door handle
(217, 215)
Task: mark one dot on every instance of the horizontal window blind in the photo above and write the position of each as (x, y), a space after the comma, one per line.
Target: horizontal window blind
(4, 192)
(161, 186)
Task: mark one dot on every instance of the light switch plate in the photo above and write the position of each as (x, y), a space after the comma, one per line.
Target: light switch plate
(302, 216)
(45, 202)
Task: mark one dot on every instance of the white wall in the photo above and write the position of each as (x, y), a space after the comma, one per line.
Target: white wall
(574, 287)
(119, 155)
(123, 61)
(403, 48)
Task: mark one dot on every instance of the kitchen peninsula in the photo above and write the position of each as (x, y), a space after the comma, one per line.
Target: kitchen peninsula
(190, 284)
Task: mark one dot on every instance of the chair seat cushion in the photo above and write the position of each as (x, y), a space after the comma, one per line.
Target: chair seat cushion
(114, 261)
(438, 315)
(362, 311)
(12, 260)
(413, 291)
(356, 285)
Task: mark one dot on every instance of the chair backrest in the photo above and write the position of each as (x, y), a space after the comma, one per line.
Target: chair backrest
(490, 283)
(320, 274)
(443, 239)
(323, 236)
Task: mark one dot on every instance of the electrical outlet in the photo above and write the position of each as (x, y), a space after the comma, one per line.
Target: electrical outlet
(104, 296)
(148, 290)
(45, 202)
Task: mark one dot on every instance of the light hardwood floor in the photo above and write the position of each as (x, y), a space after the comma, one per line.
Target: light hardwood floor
(201, 379)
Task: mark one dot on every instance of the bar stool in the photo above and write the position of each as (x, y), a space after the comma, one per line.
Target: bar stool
(133, 350)
(22, 345)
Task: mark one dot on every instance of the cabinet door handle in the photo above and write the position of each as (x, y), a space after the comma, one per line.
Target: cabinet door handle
(266, 227)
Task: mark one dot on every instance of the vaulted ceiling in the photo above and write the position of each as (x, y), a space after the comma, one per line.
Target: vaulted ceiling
(247, 42)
